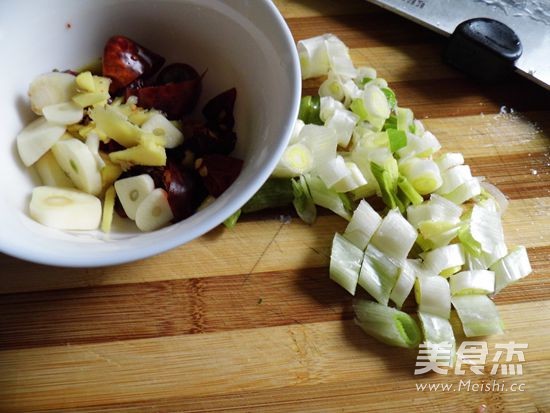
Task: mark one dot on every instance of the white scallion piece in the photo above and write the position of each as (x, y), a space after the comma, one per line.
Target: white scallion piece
(327, 198)
(472, 282)
(419, 146)
(478, 314)
(387, 324)
(437, 209)
(438, 233)
(497, 195)
(354, 180)
(297, 160)
(453, 178)
(365, 74)
(343, 123)
(376, 103)
(464, 192)
(321, 141)
(339, 59)
(295, 135)
(332, 87)
(439, 337)
(486, 228)
(333, 171)
(449, 257)
(511, 268)
(405, 118)
(423, 174)
(363, 224)
(449, 160)
(328, 105)
(378, 274)
(345, 263)
(313, 54)
(433, 295)
(395, 236)
(404, 284)
(351, 92)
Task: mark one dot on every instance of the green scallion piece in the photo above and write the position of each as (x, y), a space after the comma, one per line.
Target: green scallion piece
(232, 220)
(310, 109)
(387, 324)
(275, 193)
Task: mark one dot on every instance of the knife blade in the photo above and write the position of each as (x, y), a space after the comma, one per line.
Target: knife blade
(529, 19)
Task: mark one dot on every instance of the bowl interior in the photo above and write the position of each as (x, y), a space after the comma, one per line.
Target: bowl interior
(242, 44)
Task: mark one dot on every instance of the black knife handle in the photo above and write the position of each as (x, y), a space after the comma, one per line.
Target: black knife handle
(483, 48)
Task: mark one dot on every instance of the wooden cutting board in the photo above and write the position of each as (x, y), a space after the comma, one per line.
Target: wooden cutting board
(247, 319)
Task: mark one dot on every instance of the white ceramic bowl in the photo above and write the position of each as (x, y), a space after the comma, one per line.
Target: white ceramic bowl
(242, 43)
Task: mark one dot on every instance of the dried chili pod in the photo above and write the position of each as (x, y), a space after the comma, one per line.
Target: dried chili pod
(174, 99)
(124, 61)
(185, 190)
(218, 112)
(218, 172)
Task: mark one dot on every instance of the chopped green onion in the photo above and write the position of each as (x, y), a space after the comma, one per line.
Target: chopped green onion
(321, 141)
(449, 160)
(486, 228)
(395, 236)
(310, 108)
(332, 87)
(232, 220)
(439, 337)
(364, 75)
(354, 180)
(406, 187)
(390, 95)
(511, 268)
(404, 284)
(313, 55)
(376, 103)
(439, 233)
(397, 138)
(297, 160)
(478, 314)
(471, 246)
(405, 118)
(472, 282)
(387, 324)
(351, 92)
(440, 259)
(437, 209)
(363, 224)
(358, 107)
(295, 135)
(333, 171)
(496, 194)
(423, 174)
(390, 123)
(419, 146)
(303, 202)
(345, 263)
(378, 274)
(453, 178)
(328, 106)
(327, 198)
(343, 123)
(339, 59)
(464, 192)
(433, 295)
(274, 193)
(388, 187)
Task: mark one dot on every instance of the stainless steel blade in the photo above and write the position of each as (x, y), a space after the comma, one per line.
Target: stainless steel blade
(530, 19)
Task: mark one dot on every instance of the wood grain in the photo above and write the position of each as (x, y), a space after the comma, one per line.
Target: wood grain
(247, 319)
